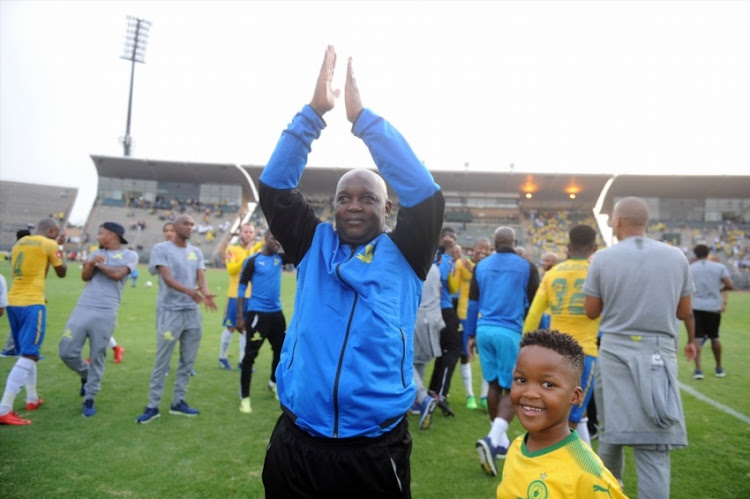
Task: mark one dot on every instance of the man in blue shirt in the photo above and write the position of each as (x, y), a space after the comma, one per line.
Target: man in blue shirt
(502, 287)
(345, 379)
(262, 317)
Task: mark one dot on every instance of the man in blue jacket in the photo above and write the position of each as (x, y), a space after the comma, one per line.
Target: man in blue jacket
(501, 289)
(345, 380)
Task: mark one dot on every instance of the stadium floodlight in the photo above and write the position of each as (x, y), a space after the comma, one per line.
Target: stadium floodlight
(134, 51)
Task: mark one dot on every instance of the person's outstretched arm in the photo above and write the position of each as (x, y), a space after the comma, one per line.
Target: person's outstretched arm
(421, 201)
(290, 217)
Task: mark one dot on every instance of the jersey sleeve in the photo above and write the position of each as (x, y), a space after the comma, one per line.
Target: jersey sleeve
(420, 216)
(233, 261)
(54, 254)
(157, 258)
(291, 218)
(538, 305)
(593, 487)
(246, 276)
(591, 285)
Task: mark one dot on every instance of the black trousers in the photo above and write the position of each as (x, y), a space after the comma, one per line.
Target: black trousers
(450, 344)
(258, 327)
(300, 465)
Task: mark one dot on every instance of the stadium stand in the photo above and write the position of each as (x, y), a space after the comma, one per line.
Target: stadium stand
(143, 194)
(22, 205)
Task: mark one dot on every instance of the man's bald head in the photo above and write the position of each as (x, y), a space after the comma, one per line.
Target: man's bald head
(374, 180)
(549, 260)
(361, 204)
(48, 227)
(505, 237)
(630, 217)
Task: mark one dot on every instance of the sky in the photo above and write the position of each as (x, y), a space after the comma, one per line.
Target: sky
(579, 87)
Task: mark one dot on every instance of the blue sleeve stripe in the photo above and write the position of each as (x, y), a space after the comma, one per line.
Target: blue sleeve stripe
(288, 160)
(394, 158)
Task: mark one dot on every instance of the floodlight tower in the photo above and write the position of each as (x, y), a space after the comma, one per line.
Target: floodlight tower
(136, 37)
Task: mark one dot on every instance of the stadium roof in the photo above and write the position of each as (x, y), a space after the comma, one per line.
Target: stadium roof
(543, 187)
(148, 169)
(677, 187)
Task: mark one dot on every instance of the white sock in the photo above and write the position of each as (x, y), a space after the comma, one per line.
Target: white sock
(498, 434)
(243, 342)
(31, 395)
(16, 379)
(466, 377)
(583, 431)
(112, 342)
(485, 389)
(226, 339)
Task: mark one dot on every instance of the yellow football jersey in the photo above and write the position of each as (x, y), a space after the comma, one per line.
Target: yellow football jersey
(561, 290)
(568, 469)
(29, 260)
(234, 258)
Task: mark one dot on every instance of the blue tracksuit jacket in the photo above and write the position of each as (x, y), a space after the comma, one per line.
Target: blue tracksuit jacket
(346, 364)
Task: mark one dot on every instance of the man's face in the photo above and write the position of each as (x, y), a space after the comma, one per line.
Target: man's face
(104, 237)
(183, 227)
(456, 252)
(481, 250)
(247, 234)
(361, 207)
(168, 232)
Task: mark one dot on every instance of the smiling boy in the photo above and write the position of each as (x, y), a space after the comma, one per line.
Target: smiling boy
(550, 460)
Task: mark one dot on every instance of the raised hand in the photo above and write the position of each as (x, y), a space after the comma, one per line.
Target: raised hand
(324, 97)
(351, 96)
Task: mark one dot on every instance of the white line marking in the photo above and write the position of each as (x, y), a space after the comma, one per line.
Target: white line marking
(723, 408)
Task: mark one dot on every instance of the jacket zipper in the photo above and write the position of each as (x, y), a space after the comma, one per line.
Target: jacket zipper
(341, 356)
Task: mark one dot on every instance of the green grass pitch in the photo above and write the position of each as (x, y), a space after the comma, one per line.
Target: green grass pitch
(220, 453)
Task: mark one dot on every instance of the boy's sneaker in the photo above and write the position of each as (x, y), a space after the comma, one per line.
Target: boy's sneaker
(245, 405)
(416, 408)
(119, 351)
(9, 352)
(88, 408)
(182, 409)
(13, 419)
(488, 454)
(33, 406)
(426, 408)
(698, 374)
(224, 364)
(720, 373)
(148, 415)
(471, 402)
(483, 403)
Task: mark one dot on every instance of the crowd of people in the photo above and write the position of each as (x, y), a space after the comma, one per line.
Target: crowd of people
(375, 306)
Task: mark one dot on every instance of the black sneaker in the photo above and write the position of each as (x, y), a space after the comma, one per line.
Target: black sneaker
(446, 408)
(83, 387)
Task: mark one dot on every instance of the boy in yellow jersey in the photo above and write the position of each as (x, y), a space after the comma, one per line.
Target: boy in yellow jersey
(561, 291)
(27, 312)
(464, 270)
(550, 460)
(234, 257)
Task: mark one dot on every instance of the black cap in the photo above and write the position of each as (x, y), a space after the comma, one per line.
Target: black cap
(117, 229)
